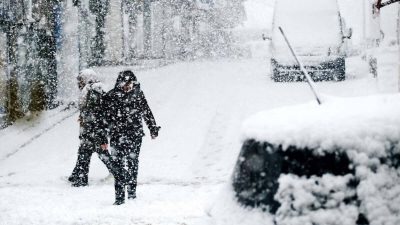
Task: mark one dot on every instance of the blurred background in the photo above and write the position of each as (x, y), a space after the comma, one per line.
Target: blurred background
(45, 43)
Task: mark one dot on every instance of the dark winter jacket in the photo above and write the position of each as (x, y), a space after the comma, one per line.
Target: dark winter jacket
(125, 111)
(92, 115)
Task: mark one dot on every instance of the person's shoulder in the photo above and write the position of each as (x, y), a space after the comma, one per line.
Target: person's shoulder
(111, 93)
(141, 93)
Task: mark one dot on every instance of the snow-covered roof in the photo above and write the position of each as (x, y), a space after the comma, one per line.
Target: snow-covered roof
(364, 124)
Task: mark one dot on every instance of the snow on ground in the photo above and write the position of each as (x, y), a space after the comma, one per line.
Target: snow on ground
(26, 130)
(200, 107)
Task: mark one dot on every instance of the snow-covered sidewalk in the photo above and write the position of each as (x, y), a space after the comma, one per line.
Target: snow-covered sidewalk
(31, 127)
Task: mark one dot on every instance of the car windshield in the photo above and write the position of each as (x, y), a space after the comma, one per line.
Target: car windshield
(260, 164)
(307, 22)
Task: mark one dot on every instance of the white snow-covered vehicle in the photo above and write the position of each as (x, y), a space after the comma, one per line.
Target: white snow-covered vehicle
(318, 35)
(330, 164)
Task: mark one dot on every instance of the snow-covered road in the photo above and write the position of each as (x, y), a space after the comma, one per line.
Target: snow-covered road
(200, 107)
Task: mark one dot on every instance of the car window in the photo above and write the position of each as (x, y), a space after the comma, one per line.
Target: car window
(255, 179)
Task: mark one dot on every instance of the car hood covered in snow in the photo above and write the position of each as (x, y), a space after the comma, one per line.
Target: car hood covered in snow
(366, 124)
(366, 129)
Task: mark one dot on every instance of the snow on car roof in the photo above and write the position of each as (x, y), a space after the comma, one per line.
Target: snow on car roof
(307, 22)
(365, 124)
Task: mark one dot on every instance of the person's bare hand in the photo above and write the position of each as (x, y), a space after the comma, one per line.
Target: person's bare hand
(153, 138)
(79, 120)
(104, 147)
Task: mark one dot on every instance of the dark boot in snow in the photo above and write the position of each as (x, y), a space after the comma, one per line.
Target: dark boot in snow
(72, 179)
(119, 189)
(119, 202)
(79, 185)
(131, 196)
(131, 191)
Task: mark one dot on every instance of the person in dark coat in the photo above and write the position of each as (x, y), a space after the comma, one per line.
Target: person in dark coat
(126, 108)
(93, 130)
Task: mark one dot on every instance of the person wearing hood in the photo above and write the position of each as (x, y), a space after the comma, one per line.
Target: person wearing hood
(93, 130)
(126, 108)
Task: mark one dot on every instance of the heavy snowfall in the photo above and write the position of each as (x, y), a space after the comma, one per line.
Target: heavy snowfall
(201, 98)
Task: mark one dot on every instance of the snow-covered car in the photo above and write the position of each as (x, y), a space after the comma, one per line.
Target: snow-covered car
(316, 32)
(330, 164)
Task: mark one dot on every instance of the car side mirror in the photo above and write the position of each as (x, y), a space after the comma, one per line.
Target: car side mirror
(349, 33)
(265, 37)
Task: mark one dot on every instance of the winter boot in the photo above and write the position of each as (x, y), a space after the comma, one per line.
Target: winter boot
(119, 202)
(131, 191)
(119, 193)
(79, 185)
(131, 196)
(72, 179)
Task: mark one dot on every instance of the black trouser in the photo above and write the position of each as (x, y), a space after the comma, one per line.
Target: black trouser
(80, 173)
(126, 150)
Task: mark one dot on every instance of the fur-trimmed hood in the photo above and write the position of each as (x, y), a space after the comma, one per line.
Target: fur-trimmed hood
(89, 78)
